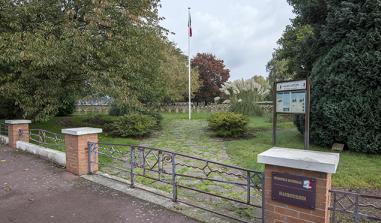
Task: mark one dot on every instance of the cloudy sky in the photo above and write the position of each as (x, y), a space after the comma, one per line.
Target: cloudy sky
(241, 32)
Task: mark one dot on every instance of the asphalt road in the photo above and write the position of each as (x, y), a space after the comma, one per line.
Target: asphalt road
(33, 190)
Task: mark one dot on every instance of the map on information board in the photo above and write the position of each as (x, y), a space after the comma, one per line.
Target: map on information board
(298, 102)
(283, 102)
(291, 102)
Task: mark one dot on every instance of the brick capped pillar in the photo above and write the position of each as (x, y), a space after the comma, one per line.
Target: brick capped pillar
(290, 175)
(14, 127)
(76, 147)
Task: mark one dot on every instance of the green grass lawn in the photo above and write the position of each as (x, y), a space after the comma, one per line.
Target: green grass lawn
(355, 170)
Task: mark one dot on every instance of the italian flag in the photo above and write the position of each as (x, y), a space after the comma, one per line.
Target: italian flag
(190, 25)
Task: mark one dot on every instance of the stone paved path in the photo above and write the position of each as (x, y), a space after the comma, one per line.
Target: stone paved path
(34, 190)
(191, 138)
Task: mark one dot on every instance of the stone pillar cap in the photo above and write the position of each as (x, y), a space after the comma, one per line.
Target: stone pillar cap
(81, 131)
(18, 121)
(300, 159)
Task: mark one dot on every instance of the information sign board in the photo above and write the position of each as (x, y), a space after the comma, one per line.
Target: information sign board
(291, 102)
(292, 97)
(291, 85)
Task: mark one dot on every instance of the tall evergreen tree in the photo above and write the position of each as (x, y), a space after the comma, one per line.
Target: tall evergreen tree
(342, 57)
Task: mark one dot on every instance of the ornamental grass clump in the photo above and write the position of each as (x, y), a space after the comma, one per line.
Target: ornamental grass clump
(243, 96)
(228, 124)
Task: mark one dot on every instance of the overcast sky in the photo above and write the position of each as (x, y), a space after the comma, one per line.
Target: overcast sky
(241, 32)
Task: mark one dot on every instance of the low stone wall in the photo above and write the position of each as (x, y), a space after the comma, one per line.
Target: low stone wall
(180, 107)
(267, 106)
(49, 154)
(177, 108)
(84, 109)
(183, 108)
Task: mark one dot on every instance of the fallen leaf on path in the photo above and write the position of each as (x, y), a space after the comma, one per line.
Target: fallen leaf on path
(7, 188)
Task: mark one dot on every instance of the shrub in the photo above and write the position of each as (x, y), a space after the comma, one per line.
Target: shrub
(67, 106)
(133, 125)
(228, 124)
(156, 116)
(119, 110)
(98, 121)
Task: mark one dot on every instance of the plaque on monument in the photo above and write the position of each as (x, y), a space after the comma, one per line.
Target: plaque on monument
(294, 190)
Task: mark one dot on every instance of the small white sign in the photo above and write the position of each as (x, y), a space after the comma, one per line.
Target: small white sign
(292, 85)
(307, 184)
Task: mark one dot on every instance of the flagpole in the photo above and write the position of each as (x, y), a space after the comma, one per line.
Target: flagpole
(189, 72)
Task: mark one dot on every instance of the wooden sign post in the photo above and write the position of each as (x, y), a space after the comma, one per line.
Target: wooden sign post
(292, 97)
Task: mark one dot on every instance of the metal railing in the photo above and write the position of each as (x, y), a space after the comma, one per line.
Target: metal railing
(44, 138)
(3, 132)
(190, 180)
(3, 129)
(354, 207)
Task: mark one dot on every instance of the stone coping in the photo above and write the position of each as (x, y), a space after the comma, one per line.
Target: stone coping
(300, 159)
(57, 157)
(81, 131)
(19, 121)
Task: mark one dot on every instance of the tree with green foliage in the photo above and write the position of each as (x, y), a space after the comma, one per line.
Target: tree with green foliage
(174, 71)
(291, 59)
(127, 47)
(42, 58)
(53, 53)
(342, 59)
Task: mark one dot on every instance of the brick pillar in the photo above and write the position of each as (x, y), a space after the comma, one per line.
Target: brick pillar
(76, 147)
(285, 172)
(14, 128)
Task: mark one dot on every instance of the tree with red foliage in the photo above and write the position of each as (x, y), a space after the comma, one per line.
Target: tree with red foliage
(212, 74)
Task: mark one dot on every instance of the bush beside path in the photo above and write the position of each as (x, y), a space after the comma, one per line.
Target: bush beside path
(356, 170)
